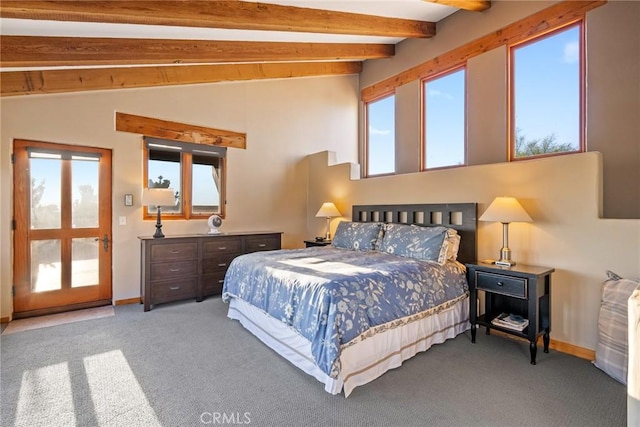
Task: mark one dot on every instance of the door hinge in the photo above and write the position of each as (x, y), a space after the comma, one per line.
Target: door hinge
(13, 158)
(13, 291)
(14, 224)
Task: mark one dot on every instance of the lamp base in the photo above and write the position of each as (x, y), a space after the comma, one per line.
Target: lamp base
(158, 234)
(505, 263)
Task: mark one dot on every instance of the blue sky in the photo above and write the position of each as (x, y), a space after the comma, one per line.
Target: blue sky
(547, 91)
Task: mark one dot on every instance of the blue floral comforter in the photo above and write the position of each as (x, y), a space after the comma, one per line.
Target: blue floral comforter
(335, 297)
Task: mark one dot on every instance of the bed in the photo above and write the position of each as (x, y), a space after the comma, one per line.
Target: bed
(391, 284)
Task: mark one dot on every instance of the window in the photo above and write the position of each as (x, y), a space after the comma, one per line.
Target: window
(547, 94)
(444, 120)
(381, 140)
(194, 171)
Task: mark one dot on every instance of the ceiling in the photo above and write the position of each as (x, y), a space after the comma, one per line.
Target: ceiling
(63, 46)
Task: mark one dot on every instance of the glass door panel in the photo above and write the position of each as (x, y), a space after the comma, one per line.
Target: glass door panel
(84, 175)
(84, 262)
(46, 271)
(46, 172)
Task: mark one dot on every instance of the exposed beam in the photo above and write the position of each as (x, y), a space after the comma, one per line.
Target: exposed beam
(473, 5)
(37, 51)
(179, 131)
(75, 80)
(218, 14)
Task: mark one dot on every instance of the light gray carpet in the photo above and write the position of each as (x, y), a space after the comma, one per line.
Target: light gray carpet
(186, 364)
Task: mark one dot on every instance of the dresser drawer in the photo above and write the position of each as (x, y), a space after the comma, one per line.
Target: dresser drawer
(212, 284)
(501, 284)
(222, 245)
(173, 269)
(265, 243)
(174, 251)
(172, 290)
(217, 264)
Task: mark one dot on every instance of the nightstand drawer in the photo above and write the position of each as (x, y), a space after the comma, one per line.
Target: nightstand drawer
(501, 284)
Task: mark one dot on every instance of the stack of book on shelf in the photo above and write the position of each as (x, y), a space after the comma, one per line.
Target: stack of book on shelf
(511, 321)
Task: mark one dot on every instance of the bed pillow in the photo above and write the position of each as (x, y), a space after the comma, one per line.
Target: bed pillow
(612, 348)
(450, 246)
(359, 236)
(424, 243)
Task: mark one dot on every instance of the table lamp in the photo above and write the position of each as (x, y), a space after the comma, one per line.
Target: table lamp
(328, 210)
(505, 210)
(158, 197)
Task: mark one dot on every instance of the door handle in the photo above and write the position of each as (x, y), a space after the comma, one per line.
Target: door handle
(105, 242)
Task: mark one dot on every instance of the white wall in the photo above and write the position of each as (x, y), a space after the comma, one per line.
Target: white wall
(563, 197)
(284, 120)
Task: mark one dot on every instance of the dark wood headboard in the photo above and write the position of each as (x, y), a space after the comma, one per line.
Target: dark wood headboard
(462, 217)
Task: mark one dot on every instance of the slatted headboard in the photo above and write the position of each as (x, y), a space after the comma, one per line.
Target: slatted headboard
(459, 216)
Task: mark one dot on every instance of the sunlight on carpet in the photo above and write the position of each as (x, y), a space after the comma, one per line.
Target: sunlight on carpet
(21, 325)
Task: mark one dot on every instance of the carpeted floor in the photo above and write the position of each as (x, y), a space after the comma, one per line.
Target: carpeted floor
(186, 364)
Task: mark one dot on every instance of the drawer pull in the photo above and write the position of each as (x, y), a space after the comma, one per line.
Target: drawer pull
(222, 264)
(262, 245)
(499, 283)
(174, 251)
(174, 270)
(221, 281)
(174, 288)
(222, 248)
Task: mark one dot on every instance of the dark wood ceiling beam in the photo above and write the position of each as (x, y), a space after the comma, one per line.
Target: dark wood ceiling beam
(14, 83)
(473, 5)
(36, 51)
(218, 14)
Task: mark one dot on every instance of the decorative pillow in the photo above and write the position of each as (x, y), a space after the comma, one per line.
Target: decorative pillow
(359, 236)
(423, 243)
(612, 347)
(450, 246)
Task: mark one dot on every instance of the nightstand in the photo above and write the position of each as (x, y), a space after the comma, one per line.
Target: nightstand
(311, 243)
(523, 290)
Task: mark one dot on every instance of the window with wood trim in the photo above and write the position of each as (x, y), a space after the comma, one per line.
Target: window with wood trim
(547, 94)
(195, 172)
(380, 145)
(444, 120)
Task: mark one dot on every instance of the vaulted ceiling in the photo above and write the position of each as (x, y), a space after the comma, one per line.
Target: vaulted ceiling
(65, 46)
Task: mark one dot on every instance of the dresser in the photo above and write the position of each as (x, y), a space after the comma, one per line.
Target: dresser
(193, 266)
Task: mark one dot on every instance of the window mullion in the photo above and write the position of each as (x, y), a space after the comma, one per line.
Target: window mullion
(186, 196)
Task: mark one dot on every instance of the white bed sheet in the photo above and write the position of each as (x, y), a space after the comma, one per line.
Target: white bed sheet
(362, 362)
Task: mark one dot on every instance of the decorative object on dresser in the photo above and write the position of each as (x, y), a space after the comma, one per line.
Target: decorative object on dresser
(328, 210)
(523, 293)
(193, 266)
(505, 210)
(158, 197)
(214, 222)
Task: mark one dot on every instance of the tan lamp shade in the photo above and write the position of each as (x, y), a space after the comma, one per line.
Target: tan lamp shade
(328, 210)
(158, 197)
(505, 210)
